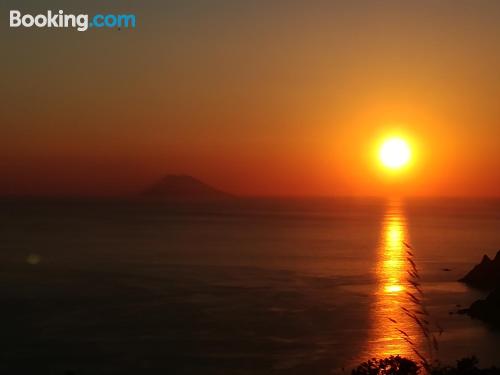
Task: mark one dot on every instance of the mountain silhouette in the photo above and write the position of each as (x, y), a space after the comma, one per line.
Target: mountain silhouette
(184, 188)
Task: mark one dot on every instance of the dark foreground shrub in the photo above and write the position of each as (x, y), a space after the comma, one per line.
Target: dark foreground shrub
(396, 365)
(388, 366)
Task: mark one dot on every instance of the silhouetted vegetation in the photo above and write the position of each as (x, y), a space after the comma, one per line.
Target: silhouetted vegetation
(392, 365)
(419, 314)
(396, 365)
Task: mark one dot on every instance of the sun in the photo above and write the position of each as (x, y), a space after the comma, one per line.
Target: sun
(395, 153)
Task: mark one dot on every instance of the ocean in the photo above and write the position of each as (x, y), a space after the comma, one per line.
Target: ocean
(250, 286)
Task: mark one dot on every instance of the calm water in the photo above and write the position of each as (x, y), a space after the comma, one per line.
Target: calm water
(256, 286)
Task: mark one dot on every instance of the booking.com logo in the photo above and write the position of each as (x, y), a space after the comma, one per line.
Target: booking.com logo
(79, 22)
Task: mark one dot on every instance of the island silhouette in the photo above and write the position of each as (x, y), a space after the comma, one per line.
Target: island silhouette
(182, 187)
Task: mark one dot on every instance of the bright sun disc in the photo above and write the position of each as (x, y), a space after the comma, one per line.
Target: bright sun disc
(394, 153)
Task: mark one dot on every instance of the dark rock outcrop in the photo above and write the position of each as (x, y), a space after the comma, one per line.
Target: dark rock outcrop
(486, 275)
(487, 310)
(183, 188)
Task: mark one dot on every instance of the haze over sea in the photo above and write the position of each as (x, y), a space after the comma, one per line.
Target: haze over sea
(295, 286)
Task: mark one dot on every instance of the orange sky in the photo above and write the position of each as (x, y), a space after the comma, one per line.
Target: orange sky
(283, 99)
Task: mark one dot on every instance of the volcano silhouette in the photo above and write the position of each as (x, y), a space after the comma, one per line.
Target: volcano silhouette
(184, 188)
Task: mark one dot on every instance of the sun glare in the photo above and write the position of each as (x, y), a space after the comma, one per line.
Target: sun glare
(395, 153)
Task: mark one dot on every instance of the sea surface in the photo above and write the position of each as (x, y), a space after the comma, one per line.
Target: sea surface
(252, 286)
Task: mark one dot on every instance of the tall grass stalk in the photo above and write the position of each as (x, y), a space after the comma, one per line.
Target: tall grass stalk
(418, 313)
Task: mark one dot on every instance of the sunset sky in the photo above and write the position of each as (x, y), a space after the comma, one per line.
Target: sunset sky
(254, 97)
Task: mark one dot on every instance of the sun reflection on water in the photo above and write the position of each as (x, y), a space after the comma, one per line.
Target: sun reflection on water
(393, 331)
